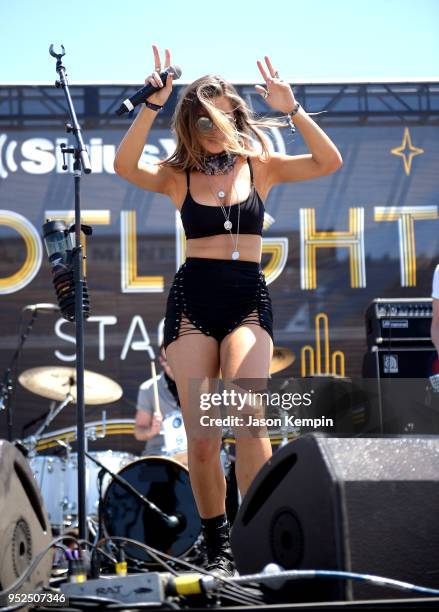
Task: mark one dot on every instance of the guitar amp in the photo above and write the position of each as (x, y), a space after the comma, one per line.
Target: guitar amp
(398, 320)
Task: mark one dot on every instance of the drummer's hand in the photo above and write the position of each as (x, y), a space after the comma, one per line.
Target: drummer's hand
(160, 96)
(156, 424)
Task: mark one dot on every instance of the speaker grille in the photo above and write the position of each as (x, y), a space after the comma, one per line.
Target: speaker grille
(286, 538)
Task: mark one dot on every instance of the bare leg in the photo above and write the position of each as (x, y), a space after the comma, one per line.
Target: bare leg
(246, 353)
(194, 357)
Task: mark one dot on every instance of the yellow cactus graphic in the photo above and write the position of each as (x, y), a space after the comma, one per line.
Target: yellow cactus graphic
(318, 360)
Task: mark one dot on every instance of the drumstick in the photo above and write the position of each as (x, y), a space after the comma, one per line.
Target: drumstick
(157, 410)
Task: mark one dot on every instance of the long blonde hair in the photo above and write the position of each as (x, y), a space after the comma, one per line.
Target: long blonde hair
(196, 99)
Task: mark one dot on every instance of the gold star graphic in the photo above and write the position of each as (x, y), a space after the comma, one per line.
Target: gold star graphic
(407, 151)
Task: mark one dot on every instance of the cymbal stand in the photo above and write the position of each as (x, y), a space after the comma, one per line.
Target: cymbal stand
(31, 441)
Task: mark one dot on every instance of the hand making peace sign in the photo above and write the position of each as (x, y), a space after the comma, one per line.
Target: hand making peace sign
(277, 93)
(163, 94)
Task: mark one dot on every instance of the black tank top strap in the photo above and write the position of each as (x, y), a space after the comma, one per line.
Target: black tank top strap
(251, 170)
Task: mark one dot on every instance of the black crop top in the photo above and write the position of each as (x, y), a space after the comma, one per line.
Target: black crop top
(202, 220)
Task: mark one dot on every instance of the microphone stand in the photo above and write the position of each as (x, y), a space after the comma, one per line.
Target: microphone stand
(81, 161)
(6, 385)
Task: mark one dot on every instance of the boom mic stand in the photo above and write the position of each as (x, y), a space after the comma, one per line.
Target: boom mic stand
(170, 520)
(81, 161)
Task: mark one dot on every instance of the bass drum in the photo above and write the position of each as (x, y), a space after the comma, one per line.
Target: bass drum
(164, 482)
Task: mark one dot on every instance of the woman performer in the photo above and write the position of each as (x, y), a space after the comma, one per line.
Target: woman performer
(219, 314)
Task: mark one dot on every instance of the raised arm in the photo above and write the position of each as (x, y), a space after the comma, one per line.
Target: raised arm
(324, 157)
(127, 162)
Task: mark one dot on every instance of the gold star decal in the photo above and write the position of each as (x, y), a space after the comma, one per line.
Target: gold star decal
(407, 151)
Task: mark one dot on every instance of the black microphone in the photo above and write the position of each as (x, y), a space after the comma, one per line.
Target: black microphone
(59, 248)
(42, 307)
(143, 94)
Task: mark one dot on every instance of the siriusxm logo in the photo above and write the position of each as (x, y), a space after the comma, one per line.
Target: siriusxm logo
(43, 155)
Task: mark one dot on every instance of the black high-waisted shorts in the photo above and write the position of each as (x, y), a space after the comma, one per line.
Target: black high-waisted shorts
(214, 296)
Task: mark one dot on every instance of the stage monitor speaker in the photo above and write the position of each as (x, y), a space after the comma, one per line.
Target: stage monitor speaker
(24, 525)
(367, 505)
(404, 396)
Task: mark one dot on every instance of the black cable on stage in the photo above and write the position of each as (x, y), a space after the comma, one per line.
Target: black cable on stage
(201, 570)
(238, 594)
(97, 548)
(154, 553)
(231, 590)
(229, 583)
(238, 597)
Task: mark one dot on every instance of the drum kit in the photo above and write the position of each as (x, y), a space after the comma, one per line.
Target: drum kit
(148, 499)
(159, 511)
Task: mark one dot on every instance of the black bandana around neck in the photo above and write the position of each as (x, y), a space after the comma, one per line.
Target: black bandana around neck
(219, 163)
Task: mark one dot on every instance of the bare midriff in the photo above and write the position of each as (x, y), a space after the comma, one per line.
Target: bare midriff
(221, 247)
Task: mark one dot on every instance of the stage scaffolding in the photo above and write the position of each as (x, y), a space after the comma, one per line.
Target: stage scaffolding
(346, 103)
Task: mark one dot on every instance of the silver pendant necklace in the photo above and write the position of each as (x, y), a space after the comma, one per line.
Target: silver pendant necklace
(235, 252)
(221, 195)
(227, 223)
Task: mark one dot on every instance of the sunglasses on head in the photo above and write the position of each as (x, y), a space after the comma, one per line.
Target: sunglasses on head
(205, 124)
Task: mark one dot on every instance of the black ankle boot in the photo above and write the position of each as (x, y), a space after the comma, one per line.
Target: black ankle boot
(219, 553)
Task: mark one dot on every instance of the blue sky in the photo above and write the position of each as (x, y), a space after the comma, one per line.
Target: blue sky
(110, 41)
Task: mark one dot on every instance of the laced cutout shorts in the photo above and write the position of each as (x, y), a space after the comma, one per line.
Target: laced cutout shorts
(214, 296)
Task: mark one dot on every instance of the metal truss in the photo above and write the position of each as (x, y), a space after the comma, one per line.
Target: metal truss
(371, 103)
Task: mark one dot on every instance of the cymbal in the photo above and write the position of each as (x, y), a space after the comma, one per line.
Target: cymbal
(54, 382)
(282, 358)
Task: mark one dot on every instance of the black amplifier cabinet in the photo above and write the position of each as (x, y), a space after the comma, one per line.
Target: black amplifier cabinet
(414, 361)
(398, 320)
(403, 398)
